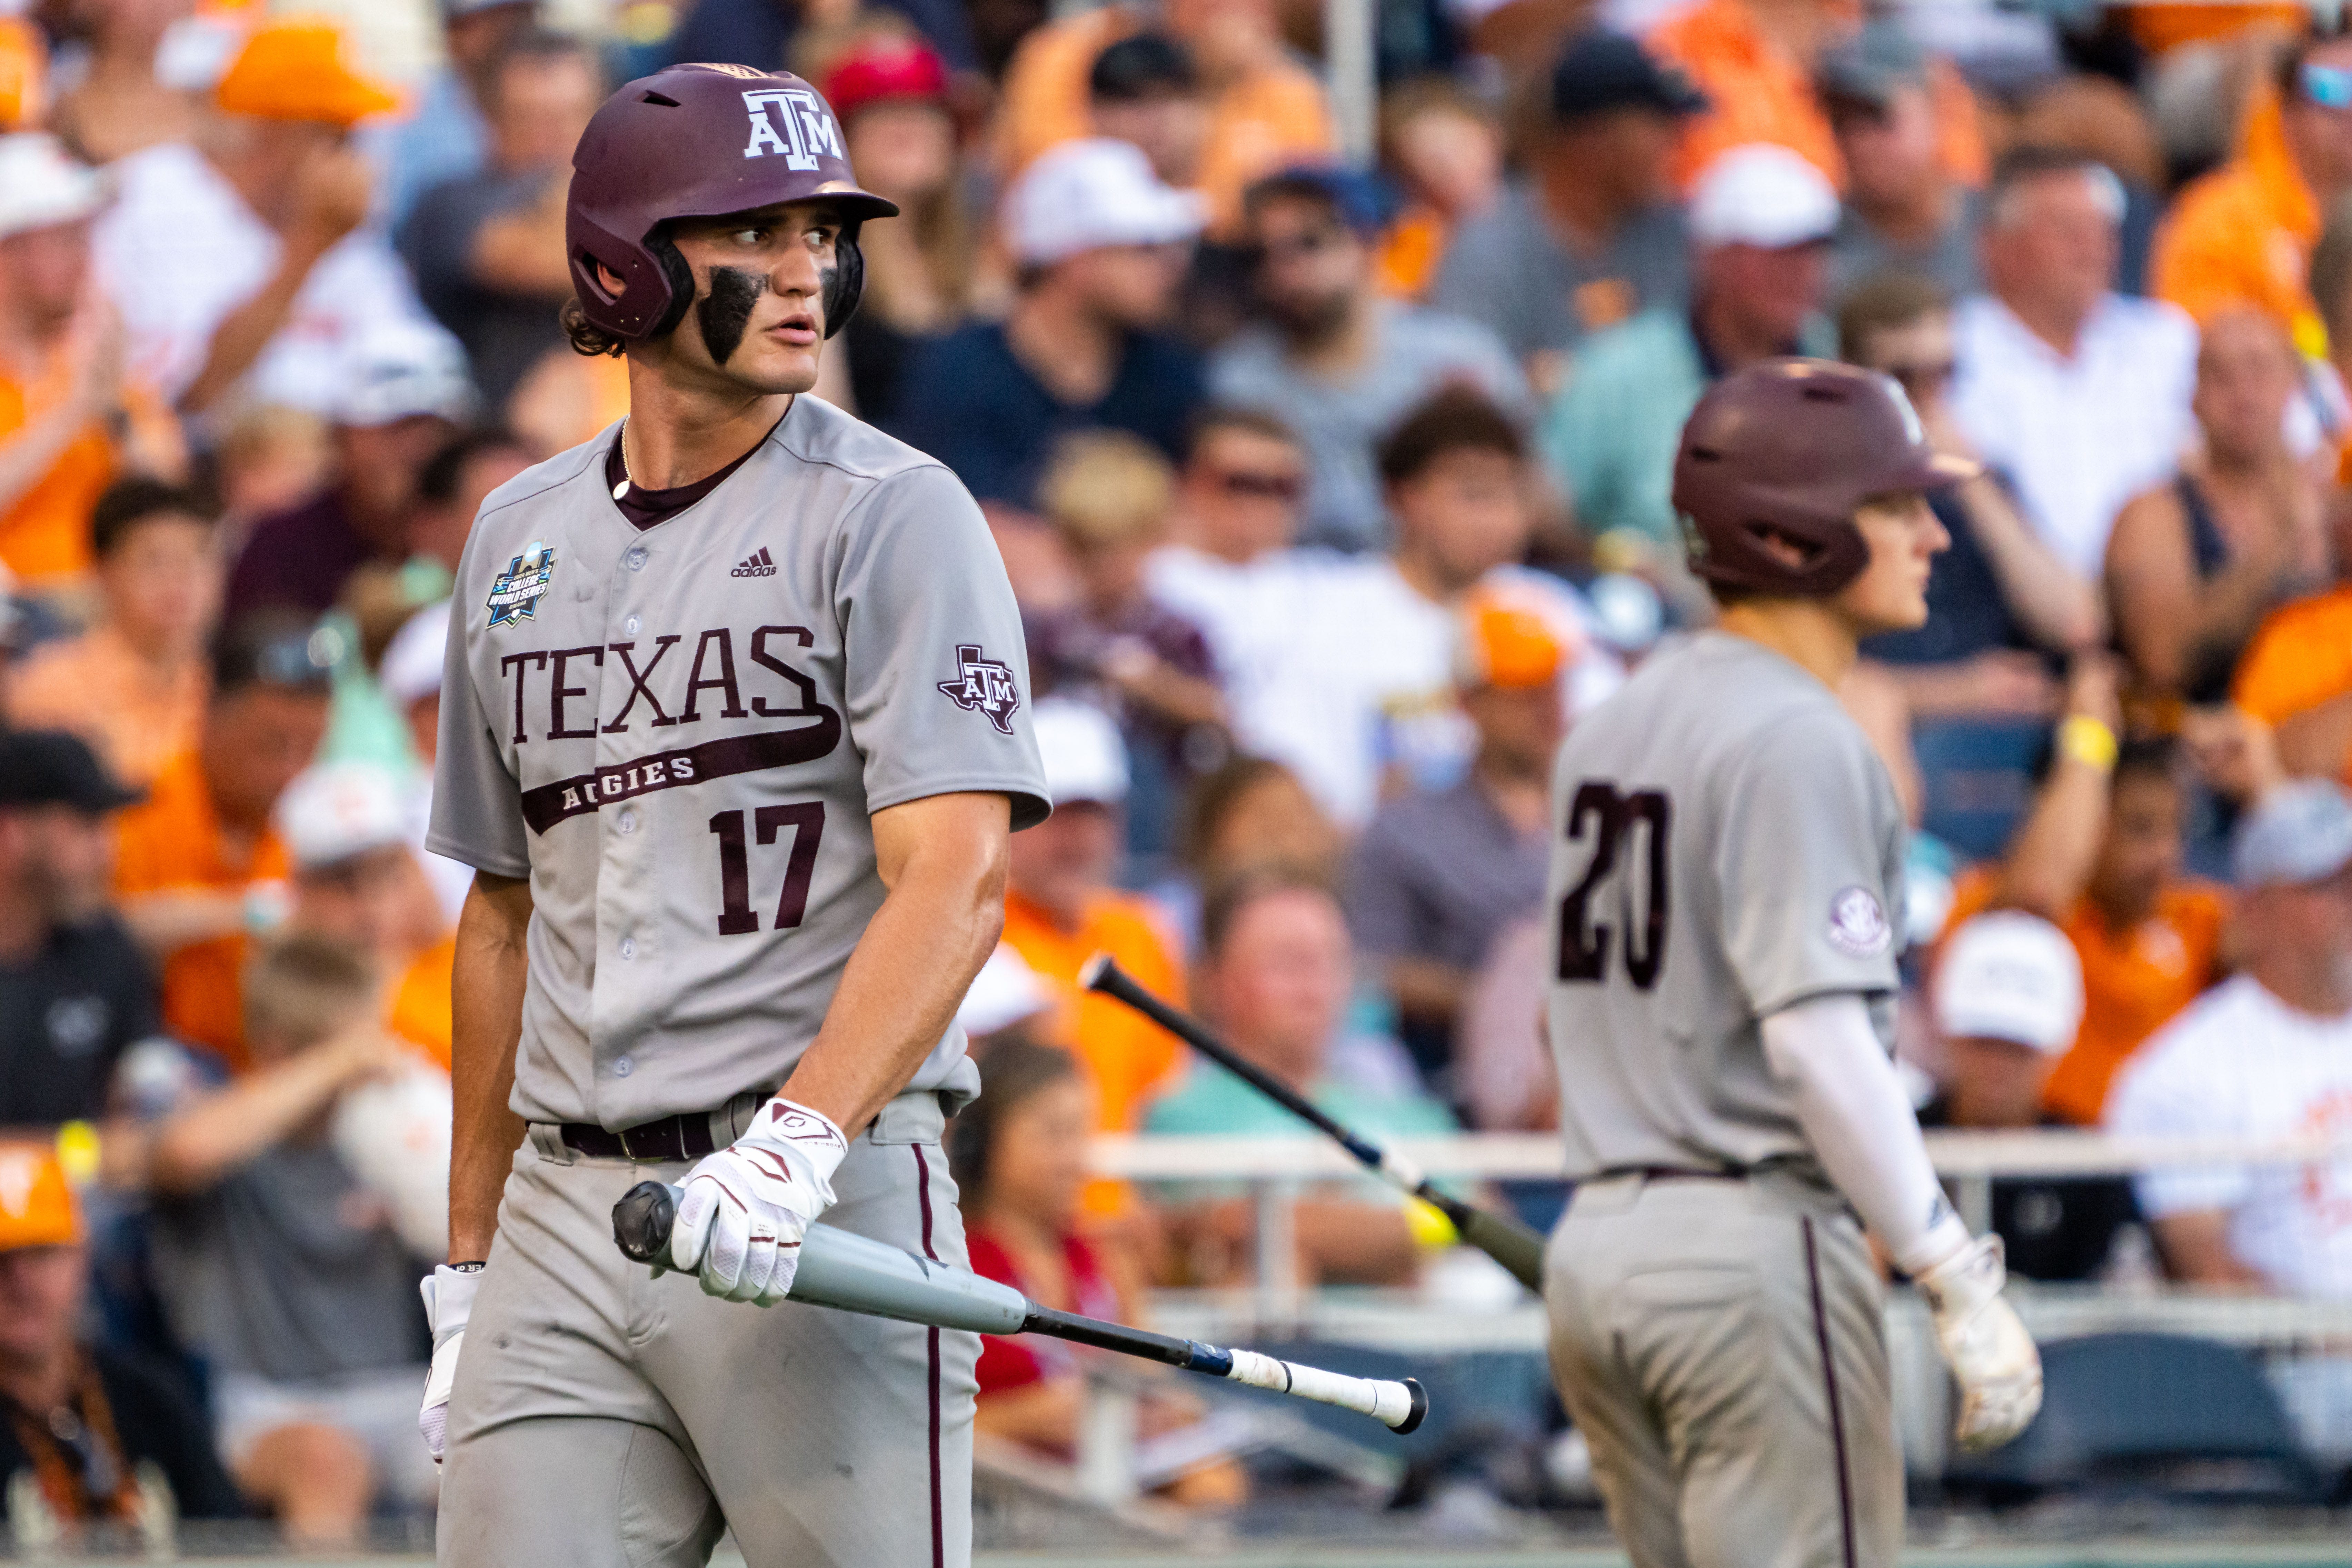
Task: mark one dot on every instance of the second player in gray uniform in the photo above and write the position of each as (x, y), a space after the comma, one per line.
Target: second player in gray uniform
(1724, 896)
(734, 730)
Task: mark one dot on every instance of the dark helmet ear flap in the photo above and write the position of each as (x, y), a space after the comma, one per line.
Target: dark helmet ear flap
(846, 283)
(676, 273)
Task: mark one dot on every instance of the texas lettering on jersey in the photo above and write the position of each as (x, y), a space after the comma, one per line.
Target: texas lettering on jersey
(552, 700)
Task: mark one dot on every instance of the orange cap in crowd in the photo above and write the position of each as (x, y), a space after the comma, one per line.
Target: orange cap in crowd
(294, 70)
(36, 1206)
(1508, 641)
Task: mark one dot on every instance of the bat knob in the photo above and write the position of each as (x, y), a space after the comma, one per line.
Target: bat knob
(642, 1221)
(1419, 1411)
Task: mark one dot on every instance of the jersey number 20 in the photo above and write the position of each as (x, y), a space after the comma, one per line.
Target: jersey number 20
(1609, 819)
(736, 915)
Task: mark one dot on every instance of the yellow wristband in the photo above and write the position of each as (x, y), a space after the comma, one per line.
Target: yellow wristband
(2087, 741)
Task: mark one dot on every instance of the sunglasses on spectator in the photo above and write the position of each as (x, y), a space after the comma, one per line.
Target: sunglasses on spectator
(1286, 488)
(1313, 242)
(2329, 87)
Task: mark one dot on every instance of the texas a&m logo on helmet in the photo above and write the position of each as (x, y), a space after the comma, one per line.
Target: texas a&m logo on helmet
(809, 130)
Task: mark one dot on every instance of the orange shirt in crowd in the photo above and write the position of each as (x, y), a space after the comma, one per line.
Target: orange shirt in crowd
(44, 537)
(1757, 91)
(174, 842)
(2243, 234)
(24, 74)
(2158, 25)
(2132, 982)
(1257, 126)
(2300, 657)
(420, 1011)
(97, 687)
(1127, 1056)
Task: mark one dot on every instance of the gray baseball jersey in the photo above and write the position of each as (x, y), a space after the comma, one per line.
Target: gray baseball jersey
(1729, 844)
(679, 735)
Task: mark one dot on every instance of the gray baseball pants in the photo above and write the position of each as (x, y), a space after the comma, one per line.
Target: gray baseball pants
(1719, 1344)
(603, 1418)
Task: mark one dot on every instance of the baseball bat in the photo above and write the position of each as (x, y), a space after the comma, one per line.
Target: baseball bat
(1514, 1245)
(858, 1273)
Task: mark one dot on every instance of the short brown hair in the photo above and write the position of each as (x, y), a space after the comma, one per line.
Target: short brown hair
(1458, 420)
(303, 988)
(1219, 418)
(1105, 488)
(1222, 910)
(1881, 302)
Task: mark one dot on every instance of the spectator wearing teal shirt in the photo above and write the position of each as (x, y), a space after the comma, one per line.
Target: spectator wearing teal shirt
(1760, 220)
(1274, 975)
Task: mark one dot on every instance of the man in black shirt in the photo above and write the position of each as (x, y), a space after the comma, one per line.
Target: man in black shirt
(74, 991)
(98, 1449)
(2008, 999)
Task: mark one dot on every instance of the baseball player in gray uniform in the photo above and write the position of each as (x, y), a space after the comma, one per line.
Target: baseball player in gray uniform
(734, 730)
(1723, 898)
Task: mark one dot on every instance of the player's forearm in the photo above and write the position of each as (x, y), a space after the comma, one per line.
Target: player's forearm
(944, 864)
(486, 1026)
(1863, 1128)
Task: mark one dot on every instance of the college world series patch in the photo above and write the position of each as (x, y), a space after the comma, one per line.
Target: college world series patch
(1858, 926)
(983, 685)
(515, 593)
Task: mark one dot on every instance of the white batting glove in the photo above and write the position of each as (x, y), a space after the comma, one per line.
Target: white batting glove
(1992, 1356)
(448, 1302)
(746, 1207)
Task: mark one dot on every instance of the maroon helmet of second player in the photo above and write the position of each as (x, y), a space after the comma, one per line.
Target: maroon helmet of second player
(1784, 453)
(700, 141)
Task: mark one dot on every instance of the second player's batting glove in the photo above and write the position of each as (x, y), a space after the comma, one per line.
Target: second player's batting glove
(448, 1302)
(746, 1207)
(1992, 1356)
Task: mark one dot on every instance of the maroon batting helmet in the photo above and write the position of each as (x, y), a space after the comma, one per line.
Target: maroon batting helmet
(1789, 448)
(700, 141)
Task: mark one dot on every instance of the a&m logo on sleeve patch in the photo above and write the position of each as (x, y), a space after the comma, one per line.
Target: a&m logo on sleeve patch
(1858, 925)
(515, 593)
(983, 686)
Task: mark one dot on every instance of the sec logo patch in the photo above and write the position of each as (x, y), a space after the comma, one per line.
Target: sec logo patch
(1858, 925)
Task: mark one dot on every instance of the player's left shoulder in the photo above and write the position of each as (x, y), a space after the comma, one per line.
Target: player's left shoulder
(820, 435)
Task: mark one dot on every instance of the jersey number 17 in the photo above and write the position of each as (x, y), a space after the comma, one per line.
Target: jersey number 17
(1631, 826)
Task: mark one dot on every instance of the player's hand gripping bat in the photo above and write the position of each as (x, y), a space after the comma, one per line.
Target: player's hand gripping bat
(1509, 1242)
(860, 1275)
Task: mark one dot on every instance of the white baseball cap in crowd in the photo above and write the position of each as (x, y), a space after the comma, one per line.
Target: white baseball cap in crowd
(334, 811)
(410, 671)
(397, 369)
(1084, 758)
(2008, 975)
(1765, 196)
(1092, 193)
(42, 184)
(1005, 991)
(2300, 832)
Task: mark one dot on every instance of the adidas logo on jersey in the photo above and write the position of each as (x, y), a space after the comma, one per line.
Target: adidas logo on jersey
(759, 564)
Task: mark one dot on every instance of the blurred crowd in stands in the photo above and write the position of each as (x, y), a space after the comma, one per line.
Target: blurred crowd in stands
(1333, 492)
